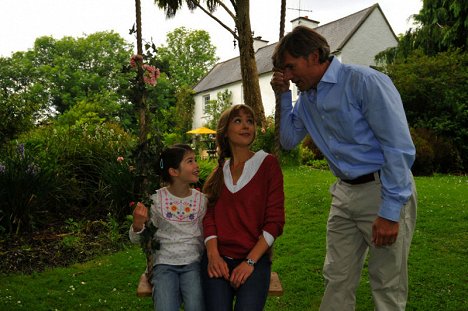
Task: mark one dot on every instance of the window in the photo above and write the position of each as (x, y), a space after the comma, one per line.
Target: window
(206, 99)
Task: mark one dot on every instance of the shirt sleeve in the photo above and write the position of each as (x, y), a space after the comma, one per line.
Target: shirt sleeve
(383, 109)
(292, 130)
(209, 225)
(274, 213)
(268, 238)
(135, 236)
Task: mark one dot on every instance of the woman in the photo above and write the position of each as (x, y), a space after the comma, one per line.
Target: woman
(245, 215)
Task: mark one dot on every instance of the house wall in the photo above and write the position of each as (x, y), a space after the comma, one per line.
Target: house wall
(199, 118)
(268, 98)
(372, 37)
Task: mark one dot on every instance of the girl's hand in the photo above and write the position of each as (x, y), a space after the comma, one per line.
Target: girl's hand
(140, 217)
(240, 274)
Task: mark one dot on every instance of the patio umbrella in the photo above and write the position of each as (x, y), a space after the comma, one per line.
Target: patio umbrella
(201, 130)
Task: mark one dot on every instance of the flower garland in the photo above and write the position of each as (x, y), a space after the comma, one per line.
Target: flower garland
(150, 74)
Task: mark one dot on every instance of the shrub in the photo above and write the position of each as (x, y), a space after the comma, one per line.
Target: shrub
(206, 167)
(306, 155)
(434, 154)
(308, 143)
(265, 139)
(25, 188)
(433, 91)
(84, 161)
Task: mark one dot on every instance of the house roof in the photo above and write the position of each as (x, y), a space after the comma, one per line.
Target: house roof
(337, 34)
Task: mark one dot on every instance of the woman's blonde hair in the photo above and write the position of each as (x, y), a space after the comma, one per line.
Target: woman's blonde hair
(213, 184)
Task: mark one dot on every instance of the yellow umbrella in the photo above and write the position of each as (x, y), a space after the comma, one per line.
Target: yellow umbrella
(201, 130)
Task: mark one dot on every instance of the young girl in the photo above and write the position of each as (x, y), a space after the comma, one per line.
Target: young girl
(177, 211)
(245, 215)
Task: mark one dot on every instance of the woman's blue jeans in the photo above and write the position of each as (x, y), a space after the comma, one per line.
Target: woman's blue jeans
(251, 296)
(173, 285)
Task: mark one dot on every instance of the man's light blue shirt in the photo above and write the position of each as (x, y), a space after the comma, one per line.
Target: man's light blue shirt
(356, 118)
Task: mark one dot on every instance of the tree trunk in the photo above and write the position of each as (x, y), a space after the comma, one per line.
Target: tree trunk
(141, 110)
(277, 143)
(251, 84)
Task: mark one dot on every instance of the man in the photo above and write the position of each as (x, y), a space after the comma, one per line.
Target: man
(355, 116)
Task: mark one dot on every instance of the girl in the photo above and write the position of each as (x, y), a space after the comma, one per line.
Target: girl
(177, 211)
(245, 215)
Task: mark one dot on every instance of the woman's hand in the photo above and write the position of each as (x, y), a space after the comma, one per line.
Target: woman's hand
(240, 274)
(140, 217)
(217, 267)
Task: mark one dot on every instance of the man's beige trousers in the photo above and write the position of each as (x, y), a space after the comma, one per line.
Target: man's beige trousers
(349, 239)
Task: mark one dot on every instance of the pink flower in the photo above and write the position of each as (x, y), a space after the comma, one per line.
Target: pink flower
(131, 204)
(135, 59)
(120, 159)
(151, 74)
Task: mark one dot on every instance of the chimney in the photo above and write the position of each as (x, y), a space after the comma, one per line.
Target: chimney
(258, 43)
(304, 21)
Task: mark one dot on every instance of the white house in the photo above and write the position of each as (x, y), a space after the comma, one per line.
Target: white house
(355, 39)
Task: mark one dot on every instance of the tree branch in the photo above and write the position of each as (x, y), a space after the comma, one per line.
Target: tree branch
(219, 21)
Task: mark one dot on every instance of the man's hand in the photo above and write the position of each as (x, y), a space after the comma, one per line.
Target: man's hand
(384, 232)
(278, 84)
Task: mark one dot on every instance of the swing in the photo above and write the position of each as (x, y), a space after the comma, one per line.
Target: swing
(144, 288)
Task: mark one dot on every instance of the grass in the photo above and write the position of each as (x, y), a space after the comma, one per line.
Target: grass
(438, 260)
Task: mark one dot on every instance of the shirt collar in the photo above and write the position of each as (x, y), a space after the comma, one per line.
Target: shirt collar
(251, 167)
(331, 75)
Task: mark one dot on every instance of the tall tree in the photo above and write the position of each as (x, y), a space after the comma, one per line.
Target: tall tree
(189, 54)
(441, 26)
(55, 75)
(444, 25)
(239, 11)
(277, 145)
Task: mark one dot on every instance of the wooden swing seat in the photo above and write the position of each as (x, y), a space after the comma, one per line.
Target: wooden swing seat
(144, 288)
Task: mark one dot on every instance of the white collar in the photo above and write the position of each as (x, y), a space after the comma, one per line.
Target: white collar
(251, 167)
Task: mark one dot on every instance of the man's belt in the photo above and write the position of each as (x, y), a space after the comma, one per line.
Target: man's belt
(360, 180)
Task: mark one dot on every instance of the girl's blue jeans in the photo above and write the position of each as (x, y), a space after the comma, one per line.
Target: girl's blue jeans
(174, 285)
(251, 296)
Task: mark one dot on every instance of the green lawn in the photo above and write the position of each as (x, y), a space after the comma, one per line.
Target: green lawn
(438, 259)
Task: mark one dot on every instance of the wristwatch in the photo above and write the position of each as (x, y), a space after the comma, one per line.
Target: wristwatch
(250, 262)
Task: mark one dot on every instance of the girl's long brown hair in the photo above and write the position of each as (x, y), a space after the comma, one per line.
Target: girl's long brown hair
(214, 183)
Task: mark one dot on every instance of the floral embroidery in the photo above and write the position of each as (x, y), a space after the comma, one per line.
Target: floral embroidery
(177, 209)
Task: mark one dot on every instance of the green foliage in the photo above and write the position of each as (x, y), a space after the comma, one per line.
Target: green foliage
(214, 108)
(265, 138)
(308, 157)
(189, 54)
(82, 68)
(434, 154)
(424, 162)
(185, 105)
(18, 113)
(55, 75)
(161, 101)
(84, 161)
(205, 169)
(116, 188)
(444, 26)
(429, 68)
(433, 90)
(25, 188)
